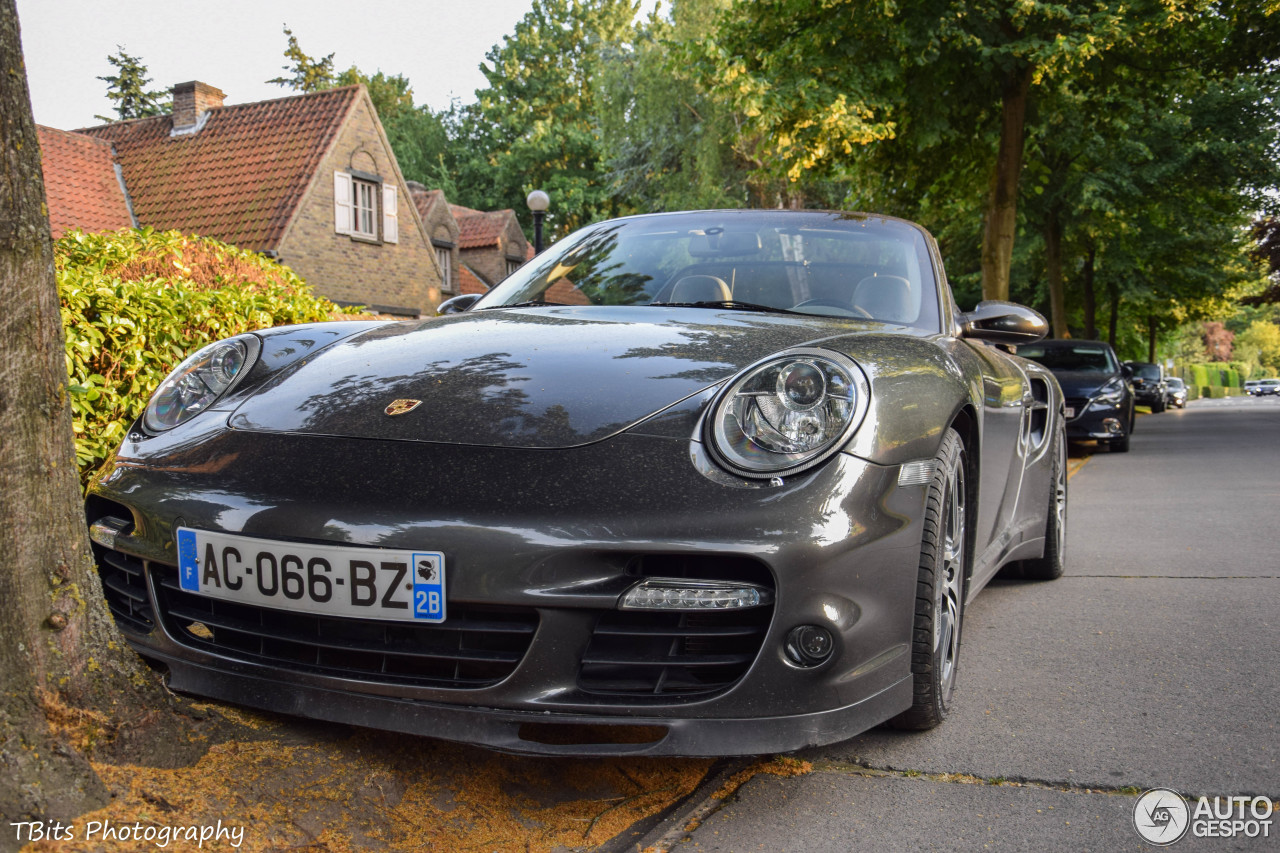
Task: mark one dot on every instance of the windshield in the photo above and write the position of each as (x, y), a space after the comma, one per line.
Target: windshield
(1095, 358)
(1175, 382)
(1144, 370)
(828, 264)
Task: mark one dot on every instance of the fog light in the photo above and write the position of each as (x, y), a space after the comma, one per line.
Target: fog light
(106, 530)
(809, 645)
(1111, 425)
(683, 594)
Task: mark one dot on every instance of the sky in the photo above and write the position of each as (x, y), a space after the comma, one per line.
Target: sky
(236, 45)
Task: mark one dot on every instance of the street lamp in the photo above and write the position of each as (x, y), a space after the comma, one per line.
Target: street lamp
(538, 202)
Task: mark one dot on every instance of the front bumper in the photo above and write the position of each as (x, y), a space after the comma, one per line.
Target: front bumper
(1096, 421)
(560, 535)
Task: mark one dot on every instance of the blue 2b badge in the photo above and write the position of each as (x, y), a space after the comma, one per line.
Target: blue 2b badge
(428, 586)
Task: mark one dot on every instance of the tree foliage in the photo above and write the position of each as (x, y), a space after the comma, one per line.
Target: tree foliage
(303, 72)
(127, 89)
(536, 125)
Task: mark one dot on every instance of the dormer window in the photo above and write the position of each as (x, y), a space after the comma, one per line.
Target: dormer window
(365, 208)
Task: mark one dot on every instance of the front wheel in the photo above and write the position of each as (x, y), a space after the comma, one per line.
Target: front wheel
(940, 582)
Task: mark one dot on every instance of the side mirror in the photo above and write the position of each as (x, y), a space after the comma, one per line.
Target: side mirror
(458, 304)
(1003, 323)
(1126, 370)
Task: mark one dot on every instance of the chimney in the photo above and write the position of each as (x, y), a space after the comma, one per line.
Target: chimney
(191, 103)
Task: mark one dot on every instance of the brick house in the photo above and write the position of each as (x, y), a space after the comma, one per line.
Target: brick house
(442, 231)
(480, 248)
(490, 243)
(309, 179)
(83, 185)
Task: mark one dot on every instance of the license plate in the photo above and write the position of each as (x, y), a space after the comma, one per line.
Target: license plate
(1068, 411)
(331, 580)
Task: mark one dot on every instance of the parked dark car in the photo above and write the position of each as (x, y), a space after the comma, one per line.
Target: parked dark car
(1149, 388)
(1099, 399)
(1175, 393)
(692, 483)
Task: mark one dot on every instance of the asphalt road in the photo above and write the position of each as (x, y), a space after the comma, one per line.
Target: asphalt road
(1155, 662)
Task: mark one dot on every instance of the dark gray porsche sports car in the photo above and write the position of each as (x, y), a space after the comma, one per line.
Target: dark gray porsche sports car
(694, 484)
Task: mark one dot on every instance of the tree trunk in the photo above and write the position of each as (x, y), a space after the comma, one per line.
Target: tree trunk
(1002, 201)
(57, 641)
(1089, 300)
(1053, 272)
(1113, 296)
(1151, 338)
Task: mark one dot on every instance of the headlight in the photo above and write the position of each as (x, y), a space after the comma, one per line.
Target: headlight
(787, 413)
(1112, 392)
(198, 382)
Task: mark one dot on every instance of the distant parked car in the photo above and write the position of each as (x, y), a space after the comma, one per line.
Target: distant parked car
(1251, 387)
(1267, 387)
(1175, 393)
(1148, 384)
(1099, 398)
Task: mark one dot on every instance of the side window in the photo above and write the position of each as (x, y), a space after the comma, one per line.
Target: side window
(364, 208)
(444, 257)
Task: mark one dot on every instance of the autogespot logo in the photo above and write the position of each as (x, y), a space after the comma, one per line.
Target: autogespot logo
(1161, 816)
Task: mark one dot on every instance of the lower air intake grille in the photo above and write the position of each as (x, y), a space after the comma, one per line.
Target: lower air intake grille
(664, 654)
(476, 647)
(125, 587)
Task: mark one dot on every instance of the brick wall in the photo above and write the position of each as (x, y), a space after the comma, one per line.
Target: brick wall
(401, 277)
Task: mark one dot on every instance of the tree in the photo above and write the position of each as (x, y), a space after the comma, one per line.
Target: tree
(305, 73)
(1266, 251)
(536, 125)
(58, 645)
(669, 144)
(128, 89)
(1262, 338)
(1218, 341)
(901, 99)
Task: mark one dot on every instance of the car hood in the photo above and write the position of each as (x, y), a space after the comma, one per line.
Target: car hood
(527, 377)
(1082, 383)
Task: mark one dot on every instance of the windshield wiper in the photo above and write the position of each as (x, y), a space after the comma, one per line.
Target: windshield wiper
(732, 304)
(531, 304)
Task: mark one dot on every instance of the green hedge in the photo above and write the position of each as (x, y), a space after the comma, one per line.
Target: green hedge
(1215, 374)
(134, 303)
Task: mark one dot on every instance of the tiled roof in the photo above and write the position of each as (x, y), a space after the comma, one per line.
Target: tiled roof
(478, 228)
(80, 183)
(240, 177)
(423, 198)
(469, 282)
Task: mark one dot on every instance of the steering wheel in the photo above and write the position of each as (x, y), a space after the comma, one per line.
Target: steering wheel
(845, 309)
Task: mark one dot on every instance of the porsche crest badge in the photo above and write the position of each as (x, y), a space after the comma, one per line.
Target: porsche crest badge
(402, 407)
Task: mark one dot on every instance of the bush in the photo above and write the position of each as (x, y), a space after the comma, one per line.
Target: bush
(134, 303)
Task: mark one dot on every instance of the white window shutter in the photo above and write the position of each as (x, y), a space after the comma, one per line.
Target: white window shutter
(342, 202)
(390, 219)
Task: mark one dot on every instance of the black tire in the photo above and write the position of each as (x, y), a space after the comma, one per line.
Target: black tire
(1051, 565)
(1118, 445)
(940, 585)
(1157, 408)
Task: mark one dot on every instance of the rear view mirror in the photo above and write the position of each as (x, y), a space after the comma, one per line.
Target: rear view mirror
(1003, 323)
(725, 244)
(458, 304)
